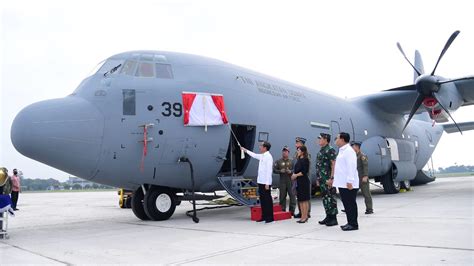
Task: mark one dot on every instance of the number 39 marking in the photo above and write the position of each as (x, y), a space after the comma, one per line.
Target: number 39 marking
(175, 109)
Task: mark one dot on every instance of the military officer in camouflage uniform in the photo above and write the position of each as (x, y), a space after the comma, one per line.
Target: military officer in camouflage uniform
(299, 141)
(363, 170)
(325, 173)
(284, 167)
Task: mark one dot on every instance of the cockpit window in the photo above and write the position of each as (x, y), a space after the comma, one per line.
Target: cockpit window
(160, 58)
(146, 57)
(164, 71)
(145, 69)
(109, 64)
(129, 67)
(147, 66)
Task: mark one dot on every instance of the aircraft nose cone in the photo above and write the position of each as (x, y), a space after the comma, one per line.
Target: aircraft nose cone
(64, 133)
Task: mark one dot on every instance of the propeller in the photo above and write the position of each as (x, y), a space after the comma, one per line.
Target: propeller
(427, 86)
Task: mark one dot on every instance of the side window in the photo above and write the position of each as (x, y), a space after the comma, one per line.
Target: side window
(146, 70)
(128, 67)
(262, 136)
(109, 65)
(128, 102)
(164, 71)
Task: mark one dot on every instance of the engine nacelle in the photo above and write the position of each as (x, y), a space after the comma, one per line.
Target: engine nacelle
(449, 97)
(387, 154)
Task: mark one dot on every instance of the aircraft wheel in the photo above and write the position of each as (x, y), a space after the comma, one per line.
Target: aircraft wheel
(137, 205)
(405, 185)
(159, 203)
(390, 186)
(121, 200)
(128, 202)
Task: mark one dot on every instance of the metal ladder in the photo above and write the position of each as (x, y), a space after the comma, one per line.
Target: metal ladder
(243, 190)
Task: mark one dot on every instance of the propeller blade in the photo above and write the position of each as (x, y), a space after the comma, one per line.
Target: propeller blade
(404, 88)
(415, 107)
(453, 80)
(403, 53)
(419, 65)
(446, 46)
(446, 110)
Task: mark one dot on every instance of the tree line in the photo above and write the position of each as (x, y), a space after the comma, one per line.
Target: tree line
(456, 169)
(37, 184)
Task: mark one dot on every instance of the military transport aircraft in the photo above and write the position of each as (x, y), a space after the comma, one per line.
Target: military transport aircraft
(124, 125)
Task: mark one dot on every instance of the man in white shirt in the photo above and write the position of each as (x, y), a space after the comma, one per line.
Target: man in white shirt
(264, 179)
(346, 179)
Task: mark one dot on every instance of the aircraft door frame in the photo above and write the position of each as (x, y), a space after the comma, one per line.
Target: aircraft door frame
(246, 134)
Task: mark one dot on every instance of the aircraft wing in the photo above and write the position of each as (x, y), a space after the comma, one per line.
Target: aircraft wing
(400, 100)
(466, 90)
(393, 102)
(451, 128)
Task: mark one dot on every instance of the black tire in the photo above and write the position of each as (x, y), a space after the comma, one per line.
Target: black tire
(390, 186)
(405, 185)
(137, 205)
(159, 203)
(128, 202)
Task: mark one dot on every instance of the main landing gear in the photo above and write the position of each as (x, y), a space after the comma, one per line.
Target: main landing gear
(157, 203)
(390, 186)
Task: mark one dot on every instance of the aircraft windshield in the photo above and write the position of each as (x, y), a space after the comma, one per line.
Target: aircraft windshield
(147, 66)
(110, 66)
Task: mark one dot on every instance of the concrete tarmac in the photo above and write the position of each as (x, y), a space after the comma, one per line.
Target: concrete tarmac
(431, 225)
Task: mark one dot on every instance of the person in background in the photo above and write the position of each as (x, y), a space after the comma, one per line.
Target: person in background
(264, 179)
(15, 189)
(284, 168)
(300, 174)
(363, 171)
(347, 180)
(5, 189)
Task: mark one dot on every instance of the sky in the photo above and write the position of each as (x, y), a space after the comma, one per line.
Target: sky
(344, 48)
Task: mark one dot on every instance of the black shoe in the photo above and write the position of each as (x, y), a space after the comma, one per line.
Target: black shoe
(302, 222)
(324, 220)
(344, 211)
(259, 221)
(344, 226)
(268, 222)
(16, 209)
(350, 228)
(369, 211)
(332, 220)
(297, 215)
(309, 215)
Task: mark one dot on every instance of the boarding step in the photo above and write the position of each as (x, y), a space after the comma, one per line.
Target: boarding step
(243, 190)
(278, 214)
